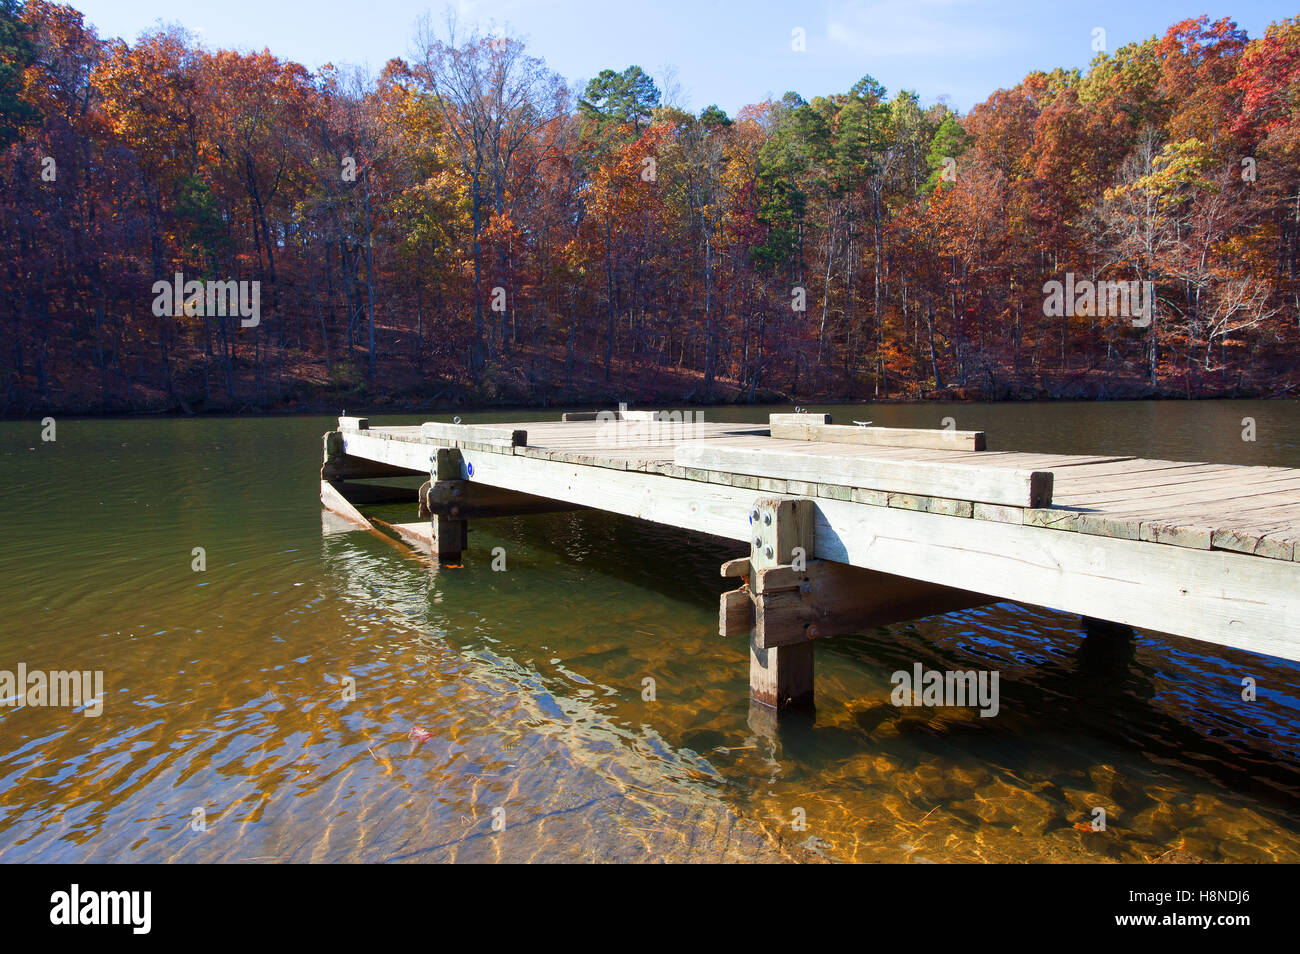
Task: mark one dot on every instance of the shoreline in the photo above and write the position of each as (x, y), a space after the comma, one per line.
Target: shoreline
(358, 407)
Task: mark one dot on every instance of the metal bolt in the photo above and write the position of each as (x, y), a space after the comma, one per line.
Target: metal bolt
(767, 519)
(768, 553)
(758, 542)
(753, 515)
(811, 631)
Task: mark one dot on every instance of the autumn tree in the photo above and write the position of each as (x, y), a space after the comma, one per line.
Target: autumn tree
(492, 98)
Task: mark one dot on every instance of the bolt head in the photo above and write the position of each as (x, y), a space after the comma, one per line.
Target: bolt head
(758, 541)
(767, 519)
(768, 553)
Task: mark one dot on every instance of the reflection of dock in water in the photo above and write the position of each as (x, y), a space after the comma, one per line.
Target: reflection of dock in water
(577, 782)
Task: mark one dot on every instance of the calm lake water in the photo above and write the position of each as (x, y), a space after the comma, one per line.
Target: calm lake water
(225, 690)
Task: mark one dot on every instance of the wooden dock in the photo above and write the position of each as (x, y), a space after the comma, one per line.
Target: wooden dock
(851, 527)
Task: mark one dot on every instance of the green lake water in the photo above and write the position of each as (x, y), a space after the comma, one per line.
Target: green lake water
(229, 733)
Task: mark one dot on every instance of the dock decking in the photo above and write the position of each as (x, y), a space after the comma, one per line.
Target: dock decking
(848, 527)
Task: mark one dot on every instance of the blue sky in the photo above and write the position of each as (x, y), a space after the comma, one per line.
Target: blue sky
(726, 51)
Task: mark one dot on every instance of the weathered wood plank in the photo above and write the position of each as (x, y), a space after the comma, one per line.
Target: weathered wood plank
(872, 498)
(418, 536)
(802, 417)
(1225, 488)
(1199, 514)
(835, 491)
(828, 599)
(1212, 505)
(1274, 545)
(736, 568)
(335, 502)
(1065, 516)
(735, 613)
(1128, 465)
(953, 508)
(478, 433)
(983, 511)
(932, 439)
(956, 481)
(1070, 484)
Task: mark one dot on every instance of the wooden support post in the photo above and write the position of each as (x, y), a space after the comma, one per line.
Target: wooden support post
(450, 535)
(450, 538)
(1107, 649)
(780, 676)
(333, 445)
(1105, 631)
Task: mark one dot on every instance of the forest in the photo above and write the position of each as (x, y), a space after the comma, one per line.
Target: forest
(467, 228)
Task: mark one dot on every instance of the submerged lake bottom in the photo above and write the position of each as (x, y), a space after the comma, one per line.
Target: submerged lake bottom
(277, 687)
